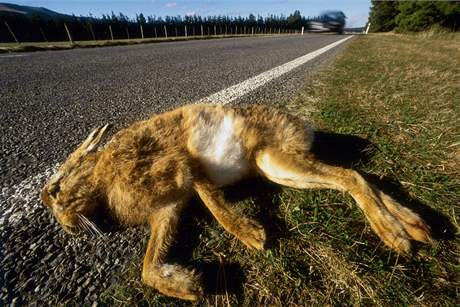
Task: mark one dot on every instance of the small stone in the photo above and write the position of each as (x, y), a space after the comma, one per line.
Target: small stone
(14, 302)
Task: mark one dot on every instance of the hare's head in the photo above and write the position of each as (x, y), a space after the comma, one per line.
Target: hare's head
(70, 194)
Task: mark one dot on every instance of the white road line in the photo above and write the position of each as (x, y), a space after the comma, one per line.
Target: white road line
(22, 198)
(18, 200)
(13, 55)
(236, 91)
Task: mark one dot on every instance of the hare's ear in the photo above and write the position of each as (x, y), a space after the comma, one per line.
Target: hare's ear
(93, 139)
(88, 145)
(91, 142)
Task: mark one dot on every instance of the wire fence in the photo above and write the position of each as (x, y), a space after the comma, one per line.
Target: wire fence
(72, 31)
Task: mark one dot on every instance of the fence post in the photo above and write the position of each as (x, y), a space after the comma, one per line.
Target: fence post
(201, 30)
(12, 33)
(142, 32)
(155, 30)
(236, 30)
(166, 31)
(68, 33)
(175, 31)
(215, 30)
(43, 34)
(127, 32)
(111, 33)
(92, 32)
(367, 29)
(302, 30)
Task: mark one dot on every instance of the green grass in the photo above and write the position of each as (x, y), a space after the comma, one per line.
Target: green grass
(399, 95)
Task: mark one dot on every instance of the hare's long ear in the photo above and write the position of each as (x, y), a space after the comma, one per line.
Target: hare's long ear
(93, 139)
(90, 144)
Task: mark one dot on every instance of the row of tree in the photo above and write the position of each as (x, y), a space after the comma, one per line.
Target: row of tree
(413, 16)
(36, 27)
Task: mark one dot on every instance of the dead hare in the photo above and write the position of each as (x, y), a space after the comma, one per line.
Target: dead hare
(147, 173)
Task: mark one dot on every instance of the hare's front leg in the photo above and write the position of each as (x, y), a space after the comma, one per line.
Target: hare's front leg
(169, 279)
(248, 231)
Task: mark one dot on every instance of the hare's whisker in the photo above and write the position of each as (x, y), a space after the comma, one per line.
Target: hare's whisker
(93, 226)
(85, 226)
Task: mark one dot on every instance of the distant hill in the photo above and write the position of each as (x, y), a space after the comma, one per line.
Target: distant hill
(30, 10)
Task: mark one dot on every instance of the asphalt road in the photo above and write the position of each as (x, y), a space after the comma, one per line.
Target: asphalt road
(51, 100)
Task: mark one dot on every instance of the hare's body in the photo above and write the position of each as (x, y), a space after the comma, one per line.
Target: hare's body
(160, 157)
(148, 171)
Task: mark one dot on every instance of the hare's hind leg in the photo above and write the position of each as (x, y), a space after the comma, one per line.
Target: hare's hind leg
(394, 224)
(169, 279)
(248, 231)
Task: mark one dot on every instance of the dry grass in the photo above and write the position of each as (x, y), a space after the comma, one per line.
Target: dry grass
(402, 94)
(63, 45)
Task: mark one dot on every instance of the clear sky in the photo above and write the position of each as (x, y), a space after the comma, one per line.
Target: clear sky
(356, 10)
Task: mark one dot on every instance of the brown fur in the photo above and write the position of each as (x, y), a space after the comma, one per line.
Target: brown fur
(148, 171)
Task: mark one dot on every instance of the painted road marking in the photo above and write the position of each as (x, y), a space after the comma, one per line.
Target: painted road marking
(18, 200)
(236, 91)
(13, 55)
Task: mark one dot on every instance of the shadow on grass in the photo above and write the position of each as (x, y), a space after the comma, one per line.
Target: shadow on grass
(342, 149)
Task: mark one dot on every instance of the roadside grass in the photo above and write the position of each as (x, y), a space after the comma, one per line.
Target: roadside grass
(63, 45)
(394, 101)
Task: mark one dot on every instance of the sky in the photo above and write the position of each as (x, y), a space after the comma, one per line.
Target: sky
(356, 10)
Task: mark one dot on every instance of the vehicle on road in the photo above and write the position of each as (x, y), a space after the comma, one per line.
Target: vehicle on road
(330, 21)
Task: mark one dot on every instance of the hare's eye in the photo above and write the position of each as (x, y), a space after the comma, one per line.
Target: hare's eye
(54, 190)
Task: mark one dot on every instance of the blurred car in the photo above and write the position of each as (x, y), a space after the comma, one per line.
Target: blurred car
(331, 21)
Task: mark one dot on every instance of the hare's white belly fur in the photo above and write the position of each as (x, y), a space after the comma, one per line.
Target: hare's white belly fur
(219, 150)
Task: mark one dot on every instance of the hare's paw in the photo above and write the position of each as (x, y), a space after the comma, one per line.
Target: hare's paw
(391, 232)
(176, 281)
(251, 233)
(414, 225)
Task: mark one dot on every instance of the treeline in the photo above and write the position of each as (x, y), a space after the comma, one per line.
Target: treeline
(414, 16)
(36, 27)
